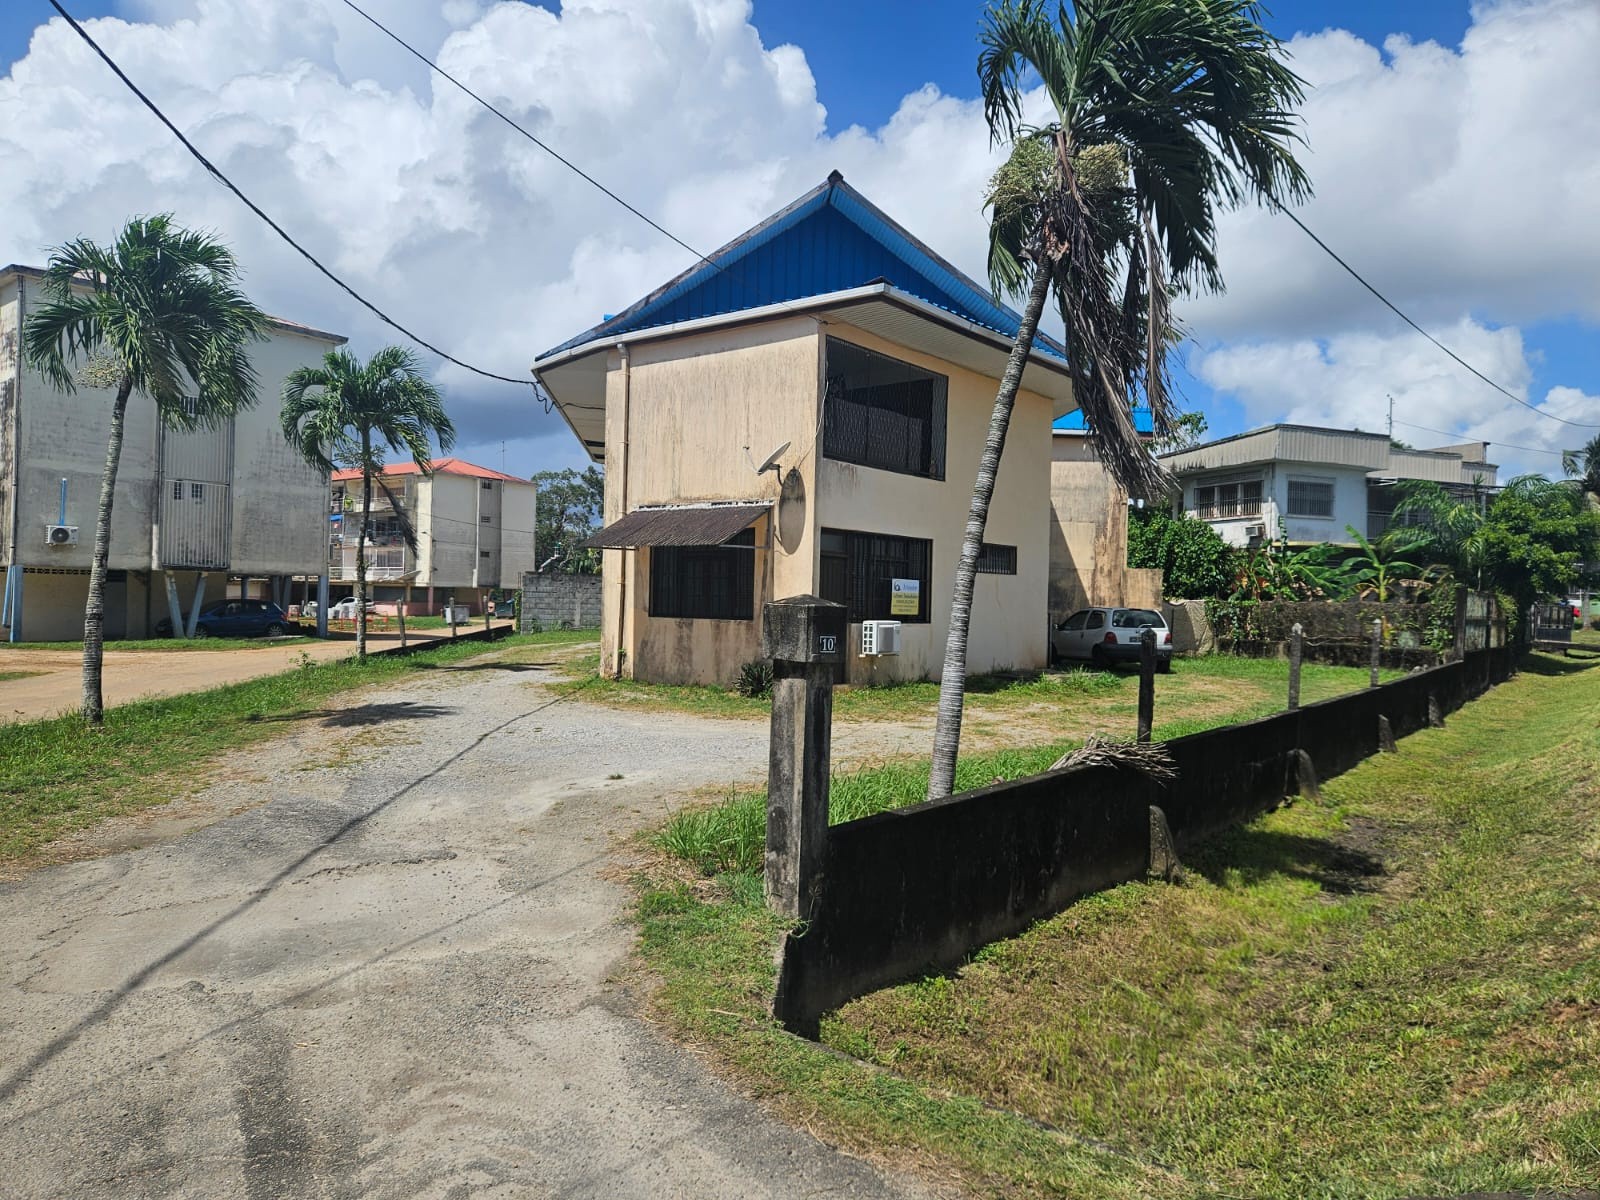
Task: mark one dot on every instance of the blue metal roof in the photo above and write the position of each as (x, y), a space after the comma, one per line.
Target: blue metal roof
(830, 240)
(1143, 421)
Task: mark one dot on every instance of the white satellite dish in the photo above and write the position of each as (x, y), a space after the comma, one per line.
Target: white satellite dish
(772, 460)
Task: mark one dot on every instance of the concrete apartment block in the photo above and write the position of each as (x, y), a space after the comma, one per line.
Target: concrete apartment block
(191, 509)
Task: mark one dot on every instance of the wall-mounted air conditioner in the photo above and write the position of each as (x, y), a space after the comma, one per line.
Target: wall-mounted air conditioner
(60, 535)
(880, 637)
(1255, 532)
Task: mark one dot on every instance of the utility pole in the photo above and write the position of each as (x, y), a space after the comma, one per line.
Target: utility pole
(1391, 416)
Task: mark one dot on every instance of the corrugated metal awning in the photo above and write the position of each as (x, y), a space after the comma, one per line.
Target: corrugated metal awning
(679, 525)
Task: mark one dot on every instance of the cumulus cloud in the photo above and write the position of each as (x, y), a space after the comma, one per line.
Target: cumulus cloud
(1465, 180)
(1457, 180)
(1347, 381)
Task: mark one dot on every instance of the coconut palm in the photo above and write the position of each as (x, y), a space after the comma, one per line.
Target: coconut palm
(347, 413)
(158, 312)
(1162, 111)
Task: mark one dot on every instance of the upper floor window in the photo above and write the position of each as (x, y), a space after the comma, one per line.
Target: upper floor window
(1237, 498)
(884, 413)
(1310, 498)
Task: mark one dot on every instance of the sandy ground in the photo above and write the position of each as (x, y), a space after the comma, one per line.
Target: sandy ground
(135, 674)
(393, 978)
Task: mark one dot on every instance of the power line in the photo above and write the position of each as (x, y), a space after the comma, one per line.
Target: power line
(1447, 433)
(217, 174)
(1356, 275)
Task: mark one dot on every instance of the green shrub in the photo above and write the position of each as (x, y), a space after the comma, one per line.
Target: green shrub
(755, 679)
(1194, 560)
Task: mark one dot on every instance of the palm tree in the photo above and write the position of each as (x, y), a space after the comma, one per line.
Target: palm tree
(1163, 111)
(158, 312)
(347, 413)
(1584, 466)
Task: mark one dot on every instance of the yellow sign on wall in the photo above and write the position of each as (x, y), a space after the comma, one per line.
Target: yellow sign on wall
(905, 597)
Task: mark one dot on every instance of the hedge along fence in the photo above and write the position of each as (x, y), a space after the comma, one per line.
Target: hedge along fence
(1337, 631)
(918, 889)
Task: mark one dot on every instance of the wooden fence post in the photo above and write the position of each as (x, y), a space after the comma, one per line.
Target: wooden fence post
(1296, 650)
(1377, 647)
(804, 636)
(1147, 683)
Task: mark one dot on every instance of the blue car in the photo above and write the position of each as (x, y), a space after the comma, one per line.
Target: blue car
(238, 618)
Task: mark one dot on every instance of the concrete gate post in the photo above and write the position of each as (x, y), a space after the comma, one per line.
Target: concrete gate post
(1147, 684)
(804, 636)
(1296, 652)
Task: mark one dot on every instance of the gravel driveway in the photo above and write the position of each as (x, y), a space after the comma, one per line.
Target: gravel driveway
(390, 979)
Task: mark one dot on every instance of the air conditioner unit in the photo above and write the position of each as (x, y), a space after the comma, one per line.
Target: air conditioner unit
(60, 535)
(880, 637)
(1255, 532)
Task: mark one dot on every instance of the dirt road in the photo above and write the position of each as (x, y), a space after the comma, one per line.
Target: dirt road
(53, 683)
(392, 979)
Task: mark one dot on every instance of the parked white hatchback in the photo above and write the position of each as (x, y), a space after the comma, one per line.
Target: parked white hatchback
(1110, 635)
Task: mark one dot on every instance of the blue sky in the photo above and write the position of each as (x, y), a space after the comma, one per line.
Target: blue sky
(1293, 338)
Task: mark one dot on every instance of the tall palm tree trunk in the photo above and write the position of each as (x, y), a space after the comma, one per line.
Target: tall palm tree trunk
(94, 611)
(953, 681)
(361, 546)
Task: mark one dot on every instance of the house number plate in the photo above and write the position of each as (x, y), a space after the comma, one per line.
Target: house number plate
(827, 643)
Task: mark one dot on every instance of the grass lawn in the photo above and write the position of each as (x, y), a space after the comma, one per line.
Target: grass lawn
(1200, 693)
(59, 775)
(1394, 991)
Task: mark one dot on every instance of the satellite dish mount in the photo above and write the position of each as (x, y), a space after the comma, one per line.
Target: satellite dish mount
(772, 461)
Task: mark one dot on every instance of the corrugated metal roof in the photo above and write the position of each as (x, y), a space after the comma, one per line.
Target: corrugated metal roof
(678, 525)
(1143, 421)
(830, 240)
(1285, 443)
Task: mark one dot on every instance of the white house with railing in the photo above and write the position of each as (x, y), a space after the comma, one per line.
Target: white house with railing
(1307, 484)
(474, 530)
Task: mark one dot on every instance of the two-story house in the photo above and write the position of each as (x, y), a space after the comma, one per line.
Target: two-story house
(192, 509)
(474, 529)
(1308, 483)
(803, 413)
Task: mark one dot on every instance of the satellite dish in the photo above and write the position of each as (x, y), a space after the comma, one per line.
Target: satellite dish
(772, 460)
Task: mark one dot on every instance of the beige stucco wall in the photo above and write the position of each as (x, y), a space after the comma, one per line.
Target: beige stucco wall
(689, 420)
(1008, 628)
(1089, 536)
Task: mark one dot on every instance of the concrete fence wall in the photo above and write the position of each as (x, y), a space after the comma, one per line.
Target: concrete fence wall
(553, 600)
(920, 888)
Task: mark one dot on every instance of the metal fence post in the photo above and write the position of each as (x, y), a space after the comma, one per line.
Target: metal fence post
(804, 636)
(1377, 647)
(1147, 682)
(1297, 635)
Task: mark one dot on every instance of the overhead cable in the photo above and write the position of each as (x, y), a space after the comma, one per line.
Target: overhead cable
(1394, 308)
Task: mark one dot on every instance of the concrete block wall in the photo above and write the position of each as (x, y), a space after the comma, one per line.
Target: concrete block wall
(919, 889)
(552, 599)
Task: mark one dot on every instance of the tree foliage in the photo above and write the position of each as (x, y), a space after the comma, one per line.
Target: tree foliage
(1195, 562)
(570, 504)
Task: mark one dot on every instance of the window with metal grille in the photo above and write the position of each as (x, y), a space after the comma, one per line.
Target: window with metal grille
(197, 491)
(486, 519)
(177, 489)
(711, 583)
(997, 560)
(1238, 498)
(884, 413)
(488, 485)
(859, 570)
(1310, 498)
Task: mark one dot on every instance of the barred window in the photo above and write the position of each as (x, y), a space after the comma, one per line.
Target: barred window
(997, 560)
(859, 570)
(1310, 498)
(197, 491)
(713, 583)
(1239, 498)
(884, 413)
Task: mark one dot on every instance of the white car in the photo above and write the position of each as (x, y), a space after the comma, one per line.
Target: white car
(345, 610)
(1110, 635)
